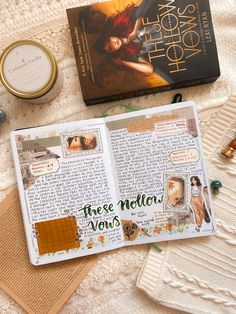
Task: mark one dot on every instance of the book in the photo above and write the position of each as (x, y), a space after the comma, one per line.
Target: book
(136, 47)
(95, 185)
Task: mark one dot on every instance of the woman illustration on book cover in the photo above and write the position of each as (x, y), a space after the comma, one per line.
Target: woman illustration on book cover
(197, 201)
(123, 39)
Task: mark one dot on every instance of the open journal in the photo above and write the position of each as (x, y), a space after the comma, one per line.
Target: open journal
(95, 185)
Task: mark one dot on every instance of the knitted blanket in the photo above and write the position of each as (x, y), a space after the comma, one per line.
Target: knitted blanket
(198, 275)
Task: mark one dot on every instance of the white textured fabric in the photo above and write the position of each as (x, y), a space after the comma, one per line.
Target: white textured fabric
(199, 275)
(46, 21)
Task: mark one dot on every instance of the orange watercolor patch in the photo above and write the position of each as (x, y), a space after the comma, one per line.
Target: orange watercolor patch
(148, 124)
(57, 235)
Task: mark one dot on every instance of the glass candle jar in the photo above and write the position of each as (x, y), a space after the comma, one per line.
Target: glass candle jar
(28, 70)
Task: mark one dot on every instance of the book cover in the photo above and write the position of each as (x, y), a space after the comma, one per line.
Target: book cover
(130, 48)
(96, 185)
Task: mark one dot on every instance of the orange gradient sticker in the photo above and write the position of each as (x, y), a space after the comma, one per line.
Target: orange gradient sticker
(57, 235)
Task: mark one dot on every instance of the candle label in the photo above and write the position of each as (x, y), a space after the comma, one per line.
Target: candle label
(27, 68)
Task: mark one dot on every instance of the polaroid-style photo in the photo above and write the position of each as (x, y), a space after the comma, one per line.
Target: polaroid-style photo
(83, 142)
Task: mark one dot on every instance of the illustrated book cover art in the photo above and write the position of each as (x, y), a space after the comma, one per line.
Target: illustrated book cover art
(95, 185)
(136, 47)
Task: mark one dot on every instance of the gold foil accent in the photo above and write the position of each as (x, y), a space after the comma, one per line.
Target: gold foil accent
(40, 92)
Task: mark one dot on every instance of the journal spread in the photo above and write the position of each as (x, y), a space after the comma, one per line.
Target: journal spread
(96, 185)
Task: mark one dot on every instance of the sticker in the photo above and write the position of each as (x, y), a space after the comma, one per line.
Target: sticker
(185, 156)
(57, 235)
(40, 168)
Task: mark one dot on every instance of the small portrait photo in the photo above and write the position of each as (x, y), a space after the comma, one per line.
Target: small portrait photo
(81, 143)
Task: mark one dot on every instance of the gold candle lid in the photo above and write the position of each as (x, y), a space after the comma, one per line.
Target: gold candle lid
(28, 69)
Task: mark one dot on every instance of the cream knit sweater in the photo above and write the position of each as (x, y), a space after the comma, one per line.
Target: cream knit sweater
(199, 275)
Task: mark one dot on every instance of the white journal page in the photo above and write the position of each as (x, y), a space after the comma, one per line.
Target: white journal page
(164, 192)
(67, 192)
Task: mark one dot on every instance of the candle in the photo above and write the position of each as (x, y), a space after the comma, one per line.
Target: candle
(28, 70)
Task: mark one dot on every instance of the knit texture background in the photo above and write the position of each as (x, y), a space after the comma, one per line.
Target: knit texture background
(198, 275)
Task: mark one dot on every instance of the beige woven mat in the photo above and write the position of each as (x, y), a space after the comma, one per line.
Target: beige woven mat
(42, 289)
